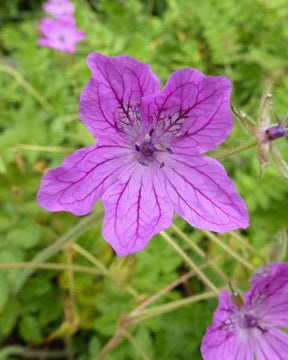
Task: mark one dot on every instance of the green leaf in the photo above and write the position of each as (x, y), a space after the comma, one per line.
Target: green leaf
(29, 329)
(8, 316)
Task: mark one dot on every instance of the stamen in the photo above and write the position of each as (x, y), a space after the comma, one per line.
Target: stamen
(162, 164)
(151, 132)
(170, 151)
(142, 162)
(137, 147)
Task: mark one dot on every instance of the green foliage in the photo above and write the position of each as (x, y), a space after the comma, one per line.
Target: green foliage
(243, 40)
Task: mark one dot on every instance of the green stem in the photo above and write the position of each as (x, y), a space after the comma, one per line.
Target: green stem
(135, 344)
(162, 309)
(200, 252)
(246, 245)
(102, 268)
(54, 248)
(229, 250)
(231, 152)
(167, 288)
(29, 353)
(48, 266)
(29, 88)
(189, 262)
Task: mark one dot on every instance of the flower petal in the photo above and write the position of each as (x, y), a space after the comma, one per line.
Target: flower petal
(269, 296)
(221, 340)
(111, 100)
(269, 270)
(136, 208)
(272, 345)
(192, 111)
(203, 194)
(219, 344)
(76, 185)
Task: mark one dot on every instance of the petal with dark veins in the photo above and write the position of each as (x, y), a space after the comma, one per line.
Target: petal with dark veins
(191, 112)
(111, 99)
(203, 194)
(76, 185)
(136, 208)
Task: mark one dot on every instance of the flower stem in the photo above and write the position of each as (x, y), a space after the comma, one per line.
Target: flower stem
(189, 262)
(110, 345)
(54, 248)
(25, 84)
(246, 245)
(102, 268)
(231, 152)
(229, 250)
(200, 252)
(135, 344)
(162, 309)
(48, 266)
(29, 353)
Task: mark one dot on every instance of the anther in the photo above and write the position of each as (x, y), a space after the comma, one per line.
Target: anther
(162, 164)
(137, 147)
(151, 132)
(170, 151)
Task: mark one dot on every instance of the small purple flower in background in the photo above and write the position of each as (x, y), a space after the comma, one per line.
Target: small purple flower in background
(243, 331)
(60, 34)
(148, 158)
(59, 8)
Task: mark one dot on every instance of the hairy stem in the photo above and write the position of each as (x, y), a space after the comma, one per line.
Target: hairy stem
(189, 262)
(231, 252)
(110, 345)
(135, 344)
(200, 252)
(29, 353)
(48, 266)
(242, 241)
(102, 268)
(231, 152)
(162, 309)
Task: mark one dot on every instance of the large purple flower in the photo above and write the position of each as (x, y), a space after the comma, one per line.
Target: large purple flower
(252, 329)
(148, 157)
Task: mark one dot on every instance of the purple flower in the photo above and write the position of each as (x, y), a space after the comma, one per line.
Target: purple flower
(59, 8)
(271, 269)
(60, 34)
(252, 329)
(148, 158)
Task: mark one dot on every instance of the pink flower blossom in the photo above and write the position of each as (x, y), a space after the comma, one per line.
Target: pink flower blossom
(59, 8)
(148, 158)
(271, 269)
(253, 329)
(60, 34)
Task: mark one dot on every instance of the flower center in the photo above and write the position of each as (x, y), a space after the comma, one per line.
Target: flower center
(250, 321)
(147, 149)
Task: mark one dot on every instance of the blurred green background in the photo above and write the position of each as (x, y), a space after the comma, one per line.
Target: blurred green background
(244, 40)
